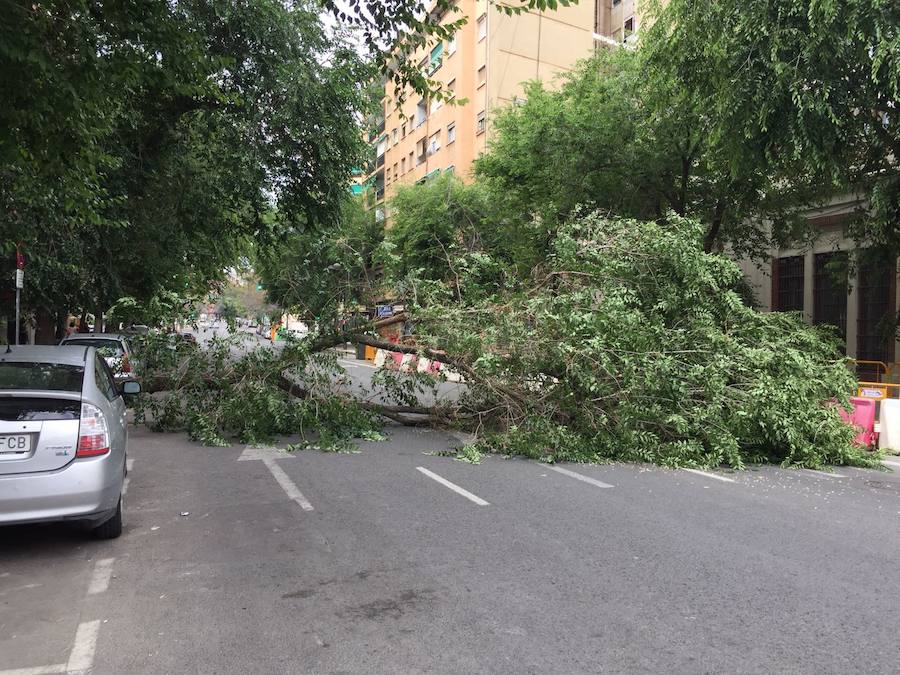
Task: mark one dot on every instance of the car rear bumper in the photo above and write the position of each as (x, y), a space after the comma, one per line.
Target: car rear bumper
(85, 489)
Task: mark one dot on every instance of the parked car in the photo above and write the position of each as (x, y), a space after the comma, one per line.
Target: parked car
(63, 437)
(113, 347)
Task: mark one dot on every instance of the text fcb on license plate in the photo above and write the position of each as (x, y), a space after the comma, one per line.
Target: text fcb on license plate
(15, 443)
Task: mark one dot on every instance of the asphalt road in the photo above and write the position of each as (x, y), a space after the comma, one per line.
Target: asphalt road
(365, 563)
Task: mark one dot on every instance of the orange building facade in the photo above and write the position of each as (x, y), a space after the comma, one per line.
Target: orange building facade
(484, 67)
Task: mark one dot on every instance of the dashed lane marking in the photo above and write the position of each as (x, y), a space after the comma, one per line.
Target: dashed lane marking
(267, 455)
(578, 476)
(453, 486)
(101, 576)
(37, 670)
(724, 479)
(826, 474)
(292, 491)
(81, 658)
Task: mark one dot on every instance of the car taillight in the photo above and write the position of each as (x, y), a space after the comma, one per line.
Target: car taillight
(126, 364)
(93, 436)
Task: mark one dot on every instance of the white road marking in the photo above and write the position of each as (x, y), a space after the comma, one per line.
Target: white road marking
(101, 576)
(364, 364)
(825, 473)
(710, 475)
(292, 491)
(125, 485)
(268, 455)
(578, 476)
(458, 490)
(129, 465)
(81, 658)
(38, 670)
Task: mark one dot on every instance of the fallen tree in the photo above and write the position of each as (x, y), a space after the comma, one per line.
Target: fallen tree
(629, 343)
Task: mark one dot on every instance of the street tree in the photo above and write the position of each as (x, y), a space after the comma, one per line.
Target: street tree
(803, 91)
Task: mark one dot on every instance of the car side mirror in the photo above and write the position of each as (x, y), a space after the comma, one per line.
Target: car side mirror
(130, 387)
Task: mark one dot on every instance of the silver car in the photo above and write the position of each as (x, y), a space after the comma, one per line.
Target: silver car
(63, 437)
(113, 347)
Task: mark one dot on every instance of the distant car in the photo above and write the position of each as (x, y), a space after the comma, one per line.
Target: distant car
(188, 338)
(113, 347)
(63, 438)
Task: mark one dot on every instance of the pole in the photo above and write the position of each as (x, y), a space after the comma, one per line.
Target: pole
(18, 296)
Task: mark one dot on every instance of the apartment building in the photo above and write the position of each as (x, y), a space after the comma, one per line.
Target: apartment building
(484, 67)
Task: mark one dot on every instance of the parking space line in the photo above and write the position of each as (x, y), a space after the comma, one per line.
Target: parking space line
(825, 473)
(724, 479)
(453, 486)
(81, 658)
(129, 465)
(578, 476)
(101, 576)
(37, 670)
(292, 491)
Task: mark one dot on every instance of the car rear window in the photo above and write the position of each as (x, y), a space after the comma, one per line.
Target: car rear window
(40, 376)
(38, 409)
(105, 348)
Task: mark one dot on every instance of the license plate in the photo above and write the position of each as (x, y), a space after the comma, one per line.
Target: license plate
(15, 443)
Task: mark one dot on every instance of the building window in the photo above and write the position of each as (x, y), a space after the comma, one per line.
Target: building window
(410, 161)
(394, 136)
(482, 75)
(395, 171)
(421, 113)
(403, 165)
(482, 27)
(434, 143)
(787, 284)
(451, 133)
(436, 104)
(436, 58)
(387, 176)
(616, 2)
(875, 290)
(403, 130)
(830, 290)
(480, 123)
(451, 45)
(421, 147)
(629, 27)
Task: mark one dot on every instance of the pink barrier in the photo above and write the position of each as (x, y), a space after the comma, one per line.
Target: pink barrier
(863, 418)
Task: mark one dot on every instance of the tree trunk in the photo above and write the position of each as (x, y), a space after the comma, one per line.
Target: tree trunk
(62, 323)
(44, 327)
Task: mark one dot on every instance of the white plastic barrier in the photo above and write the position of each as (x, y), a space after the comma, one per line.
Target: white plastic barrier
(889, 438)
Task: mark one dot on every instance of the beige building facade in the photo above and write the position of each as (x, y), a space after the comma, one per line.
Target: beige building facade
(824, 281)
(484, 67)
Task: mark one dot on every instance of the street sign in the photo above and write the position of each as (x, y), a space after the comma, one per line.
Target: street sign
(382, 311)
(20, 278)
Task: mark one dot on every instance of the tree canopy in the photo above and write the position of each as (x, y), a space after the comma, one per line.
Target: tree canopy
(143, 143)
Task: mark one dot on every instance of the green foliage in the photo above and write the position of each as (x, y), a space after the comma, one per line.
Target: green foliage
(636, 345)
(803, 91)
(619, 137)
(142, 145)
(231, 390)
(319, 272)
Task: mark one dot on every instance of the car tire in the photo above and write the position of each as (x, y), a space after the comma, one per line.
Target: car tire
(112, 528)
